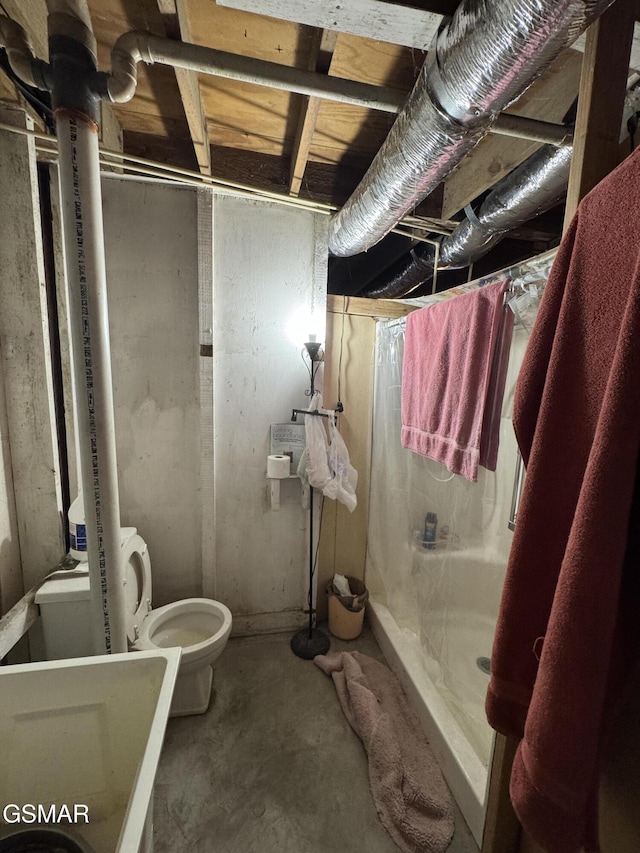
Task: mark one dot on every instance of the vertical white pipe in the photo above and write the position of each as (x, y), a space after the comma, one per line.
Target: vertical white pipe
(85, 257)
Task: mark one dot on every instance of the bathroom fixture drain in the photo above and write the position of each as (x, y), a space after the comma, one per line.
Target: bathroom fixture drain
(484, 664)
(41, 840)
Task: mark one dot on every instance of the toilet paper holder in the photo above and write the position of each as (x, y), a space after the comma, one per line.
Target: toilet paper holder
(278, 468)
(295, 412)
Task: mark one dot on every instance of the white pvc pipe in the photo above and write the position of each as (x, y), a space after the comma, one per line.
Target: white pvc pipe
(19, 51)
(135, 46)
(81, 198)
(138, 46)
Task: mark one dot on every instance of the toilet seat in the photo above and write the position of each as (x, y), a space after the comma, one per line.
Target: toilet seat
(194, 624)
(136, 568)
(199, 626)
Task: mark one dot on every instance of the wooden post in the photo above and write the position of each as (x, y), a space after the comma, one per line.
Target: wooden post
(501, 826)
(605, 68)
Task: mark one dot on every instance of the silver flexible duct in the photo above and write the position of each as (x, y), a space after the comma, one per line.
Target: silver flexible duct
(488, 55)
(533, 187)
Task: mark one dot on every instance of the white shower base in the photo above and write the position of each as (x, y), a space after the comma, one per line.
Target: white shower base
(463, 685)
(462, 766)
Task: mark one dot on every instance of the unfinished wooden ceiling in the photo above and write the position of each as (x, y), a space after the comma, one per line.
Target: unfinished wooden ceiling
(289, 143)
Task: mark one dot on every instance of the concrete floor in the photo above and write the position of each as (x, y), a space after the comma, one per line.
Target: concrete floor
(273, 766)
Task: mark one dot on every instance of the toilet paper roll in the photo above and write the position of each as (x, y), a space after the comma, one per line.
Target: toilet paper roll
(278, 466)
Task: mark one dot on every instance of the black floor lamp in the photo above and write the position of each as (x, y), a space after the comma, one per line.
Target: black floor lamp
(310, 641)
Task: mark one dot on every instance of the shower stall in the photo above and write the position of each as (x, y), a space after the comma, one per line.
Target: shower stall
(436, 559)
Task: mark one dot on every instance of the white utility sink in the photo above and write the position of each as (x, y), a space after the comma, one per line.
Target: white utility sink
(86, 732)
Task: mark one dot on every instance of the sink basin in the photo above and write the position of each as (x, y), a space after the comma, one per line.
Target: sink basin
(85, 733)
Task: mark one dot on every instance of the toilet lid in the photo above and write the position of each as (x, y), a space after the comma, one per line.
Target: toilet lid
(136, 569)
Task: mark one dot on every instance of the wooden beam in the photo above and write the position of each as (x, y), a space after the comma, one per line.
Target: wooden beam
(601, 102)
(390, 308)
(15, 624)
(323, 182)
(110, 133)
(175, 151)
(446, 8)
(373, 19)
(634, 61)
(501, 826)
(309, 110)
(177, 25)
(320, 61)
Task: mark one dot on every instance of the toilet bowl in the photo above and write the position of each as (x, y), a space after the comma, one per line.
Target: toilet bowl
(199, 626)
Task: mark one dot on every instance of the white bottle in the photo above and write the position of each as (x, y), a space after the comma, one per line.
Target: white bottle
(77, 530)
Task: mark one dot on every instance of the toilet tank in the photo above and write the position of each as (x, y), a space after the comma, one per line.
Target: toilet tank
(65, 613)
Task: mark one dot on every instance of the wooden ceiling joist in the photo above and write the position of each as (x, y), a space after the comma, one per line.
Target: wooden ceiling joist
(355, 305)
(603, 82)
(319, 60)
(177, 26)
(374, 19)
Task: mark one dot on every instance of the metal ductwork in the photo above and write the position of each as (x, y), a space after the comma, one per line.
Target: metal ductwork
(533, 187)
(484, 59)
(536, 185)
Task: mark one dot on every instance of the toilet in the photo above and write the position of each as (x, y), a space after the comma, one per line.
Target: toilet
(200, 626)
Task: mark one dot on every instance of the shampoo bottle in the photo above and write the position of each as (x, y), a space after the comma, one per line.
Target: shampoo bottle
(430, 529)
(77, 530)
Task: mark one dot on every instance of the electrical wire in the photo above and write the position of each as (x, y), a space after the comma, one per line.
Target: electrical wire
(150, 168)
(344, 309)
(32, 98)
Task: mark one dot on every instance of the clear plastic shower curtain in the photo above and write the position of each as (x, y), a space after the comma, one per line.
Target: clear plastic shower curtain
(441, 584)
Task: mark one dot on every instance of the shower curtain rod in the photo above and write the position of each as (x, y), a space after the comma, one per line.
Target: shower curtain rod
(533, 265)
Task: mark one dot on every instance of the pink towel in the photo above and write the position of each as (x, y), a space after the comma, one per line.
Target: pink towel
(409, 791)
(570, 609)
(447, 413)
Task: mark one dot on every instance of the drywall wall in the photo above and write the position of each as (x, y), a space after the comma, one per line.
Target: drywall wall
(269, 263)
(152, 275)
(201, 501)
